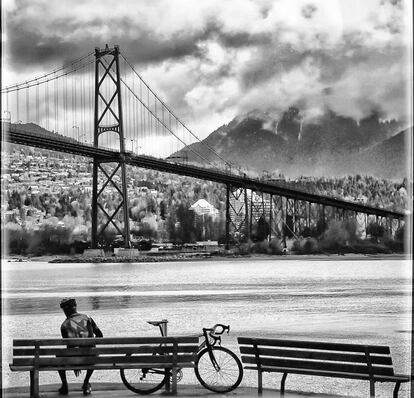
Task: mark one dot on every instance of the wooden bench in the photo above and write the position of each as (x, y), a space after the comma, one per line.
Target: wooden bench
(351, 361)
(37, 355)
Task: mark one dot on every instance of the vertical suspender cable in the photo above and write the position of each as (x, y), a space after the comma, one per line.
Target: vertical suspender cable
(149, 118)
(126, 115)
(17, 106)
(156, 114)
(27, 105)
(144, 126)
(90, 106)
(133, 114)
(65, 91)
(37, 103)
(163, 122)
(56, 105)
(81, 106)
(47, 104)
(73, 105)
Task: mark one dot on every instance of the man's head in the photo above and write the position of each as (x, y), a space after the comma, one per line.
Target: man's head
(68, 306)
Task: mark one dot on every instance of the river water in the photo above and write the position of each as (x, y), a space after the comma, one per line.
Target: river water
(361, 300)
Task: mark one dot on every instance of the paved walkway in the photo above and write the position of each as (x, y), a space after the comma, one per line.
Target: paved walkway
(110, 390)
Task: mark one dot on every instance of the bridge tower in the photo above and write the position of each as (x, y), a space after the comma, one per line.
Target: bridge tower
(108, 118)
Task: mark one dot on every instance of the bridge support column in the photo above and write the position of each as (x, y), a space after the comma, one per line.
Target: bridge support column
(228, 220)
(95, 204)
(237, 215)
(108, 119)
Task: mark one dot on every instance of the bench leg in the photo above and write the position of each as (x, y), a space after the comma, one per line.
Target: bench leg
(259, 381)
(282, 384)
(372, 389)
(396, 388)
(167, 380)
(174, 381)
(34, 384)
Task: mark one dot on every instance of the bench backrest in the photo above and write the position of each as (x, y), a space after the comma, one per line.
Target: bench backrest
(333, 357)
(121, 350)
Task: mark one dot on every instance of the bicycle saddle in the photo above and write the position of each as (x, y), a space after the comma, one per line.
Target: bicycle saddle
(157, 323)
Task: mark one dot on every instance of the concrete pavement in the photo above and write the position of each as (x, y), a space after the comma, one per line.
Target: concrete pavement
(112, 390)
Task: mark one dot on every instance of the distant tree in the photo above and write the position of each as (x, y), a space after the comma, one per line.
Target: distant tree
(185, 218)
(375, 230)
(15, 237)
(400, 234)
(163, 209)
(15, 201)
(263, 229)
(335, 238)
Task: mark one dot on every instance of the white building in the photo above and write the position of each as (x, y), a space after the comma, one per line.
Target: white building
(202, 207)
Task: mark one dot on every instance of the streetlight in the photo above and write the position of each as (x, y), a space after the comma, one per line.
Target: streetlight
(8, 113)
(77, 128)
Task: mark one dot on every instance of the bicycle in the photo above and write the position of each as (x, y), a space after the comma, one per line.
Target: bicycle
(217, 368)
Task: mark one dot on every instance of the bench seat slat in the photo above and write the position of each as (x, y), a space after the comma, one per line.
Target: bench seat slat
(104, 366)
(89, 360)
(105, 340)
(326, 355)
(318, 365)
(344, 375)
(19, 352)
(316, 345)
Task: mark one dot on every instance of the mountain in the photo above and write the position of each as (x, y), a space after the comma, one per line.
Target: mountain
(331, 145)
(388, 159)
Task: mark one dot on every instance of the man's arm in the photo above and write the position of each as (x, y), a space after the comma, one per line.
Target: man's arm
(96, 331)
(63, 332)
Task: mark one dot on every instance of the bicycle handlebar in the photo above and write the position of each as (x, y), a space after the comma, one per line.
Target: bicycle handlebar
(219, 329)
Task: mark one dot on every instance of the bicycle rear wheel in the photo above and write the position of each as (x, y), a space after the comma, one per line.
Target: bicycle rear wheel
(143, 381)
(226, 377)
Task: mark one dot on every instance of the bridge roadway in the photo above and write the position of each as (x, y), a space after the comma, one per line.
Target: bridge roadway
(16, 134)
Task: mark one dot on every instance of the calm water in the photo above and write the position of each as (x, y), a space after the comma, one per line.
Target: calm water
(365, 301)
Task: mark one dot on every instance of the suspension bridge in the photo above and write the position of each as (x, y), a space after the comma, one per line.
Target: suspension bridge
(98, 106)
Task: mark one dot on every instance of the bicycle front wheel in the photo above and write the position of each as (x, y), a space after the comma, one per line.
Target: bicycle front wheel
(143, 381)
(224, 377)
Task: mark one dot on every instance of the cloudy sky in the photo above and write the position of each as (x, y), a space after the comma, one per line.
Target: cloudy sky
(211, 60)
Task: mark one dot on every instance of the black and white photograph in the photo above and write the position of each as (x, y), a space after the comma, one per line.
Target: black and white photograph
(206, 198)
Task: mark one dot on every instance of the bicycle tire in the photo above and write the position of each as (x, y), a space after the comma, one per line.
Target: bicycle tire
(227, 378)
(143, 381)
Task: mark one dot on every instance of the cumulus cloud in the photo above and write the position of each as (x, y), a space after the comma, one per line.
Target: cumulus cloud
(211, 60)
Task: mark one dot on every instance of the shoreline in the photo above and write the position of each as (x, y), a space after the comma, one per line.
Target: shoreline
(201, 256)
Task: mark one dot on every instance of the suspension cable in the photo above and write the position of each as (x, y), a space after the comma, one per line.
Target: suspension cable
(54, 71)
(172, 113)
(152, 113)
(36, 82)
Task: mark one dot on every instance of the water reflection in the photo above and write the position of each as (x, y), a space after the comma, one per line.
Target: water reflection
(39, 288)
(125, 301)
(95, 302)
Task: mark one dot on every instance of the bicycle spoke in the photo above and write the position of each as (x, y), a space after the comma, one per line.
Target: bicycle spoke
(226, 377)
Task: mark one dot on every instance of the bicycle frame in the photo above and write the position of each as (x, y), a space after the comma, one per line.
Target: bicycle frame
(211, 336)
(215, 335)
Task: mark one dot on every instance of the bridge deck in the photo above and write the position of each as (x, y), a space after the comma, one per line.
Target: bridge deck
(17, 135)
